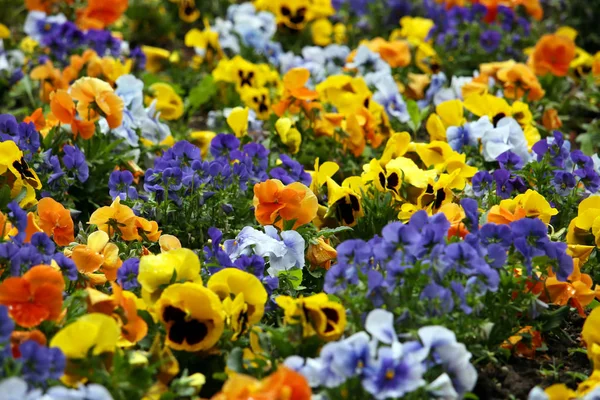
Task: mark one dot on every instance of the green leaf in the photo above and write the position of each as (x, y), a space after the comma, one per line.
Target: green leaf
(235, 360)
(202, 93)
(415, 115)
(4, 197)
(586, 141)
(328, 232)
(295, 277)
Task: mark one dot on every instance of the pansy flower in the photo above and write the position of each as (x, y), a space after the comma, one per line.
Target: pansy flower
(121, 305)
(243, 297)
(276, 204)
(114, 218)
(35, 297)
(158, 270)
(316, 314)
(93, 332)
(296, 94)
(97, 254)
(193, 316)
(55, 220)
(344, 201)
(97, 98)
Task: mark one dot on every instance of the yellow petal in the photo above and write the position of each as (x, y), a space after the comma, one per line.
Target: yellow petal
(238, 121)
(567, 31)
(283, 126)
(97, 241)
(97, 331)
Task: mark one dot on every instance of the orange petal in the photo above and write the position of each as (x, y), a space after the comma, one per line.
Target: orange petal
(85, 259)
(42, 275)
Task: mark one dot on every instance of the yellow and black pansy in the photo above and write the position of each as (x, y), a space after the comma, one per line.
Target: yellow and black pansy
(193, 316)
(344, 203)
(16, 173)
(243, 297)
(258, 100)
(317, 314)
(188, 11)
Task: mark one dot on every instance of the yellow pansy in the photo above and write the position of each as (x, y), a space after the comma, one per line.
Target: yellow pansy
(239, 71)
(193, 316)
(243, 297)
(238, 121)
(413, 175)
(188, 11)
(585, 228)
(95, 331)
(290, 136)
(396, 146)
(433, 153)
(567, 31)
(589, 384)
(168, 103)
(415, 29)
(28, 45)
(158, 270)
(257, 99)
(18, 173)
(406, 211)
(536, 206)
(559, 392)
(205, 42)
(321, 173)
(448, 113)
(344, 202)
(156, 58)
(426, 58)
(202, 139)
(346, 93)
(322, 32)
(439, 192)
(317, 314)
(591, 333)
(4, 32)
(494, 107)
(339, 33)
(457, 162)
(113, 68)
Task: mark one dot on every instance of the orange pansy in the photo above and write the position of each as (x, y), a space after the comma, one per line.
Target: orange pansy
(93, 94)
(116, 217)
(551, 120)
(55, 220)
(122, 306)
(97, 253)
(142, 228)
(553, 54)
(50, 79)
(100, 13)
(35, 297)
(295, 93)
(455, 215)
(276, 203)
(321, 254)
(518, 80)
(37, 117)
(283, 383)
(502, 215)
(62, 106)
(576, 290)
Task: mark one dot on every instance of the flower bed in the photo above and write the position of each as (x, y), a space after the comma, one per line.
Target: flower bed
(299, 199)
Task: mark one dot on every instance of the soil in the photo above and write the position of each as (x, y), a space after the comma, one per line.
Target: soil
(515, 378)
